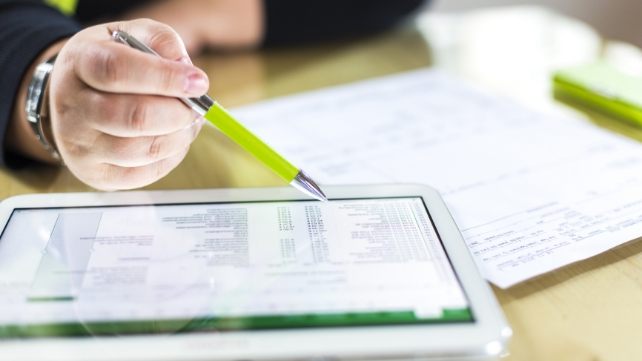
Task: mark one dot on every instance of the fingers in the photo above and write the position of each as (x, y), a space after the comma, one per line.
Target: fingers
(112, 177)
(158, 36)
(129, 163)
(142, 151)
(137, 115)
(114, 112)
(115, 68)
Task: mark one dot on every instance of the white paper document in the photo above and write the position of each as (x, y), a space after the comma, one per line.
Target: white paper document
(530, 192)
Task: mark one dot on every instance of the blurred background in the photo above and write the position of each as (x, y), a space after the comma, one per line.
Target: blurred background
(614, 19)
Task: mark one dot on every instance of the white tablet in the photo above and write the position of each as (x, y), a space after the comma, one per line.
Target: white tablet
(378, 272)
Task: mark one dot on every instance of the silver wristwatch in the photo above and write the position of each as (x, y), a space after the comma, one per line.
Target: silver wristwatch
(35, 102)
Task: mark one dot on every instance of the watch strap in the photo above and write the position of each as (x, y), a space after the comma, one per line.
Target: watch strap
(36, 106)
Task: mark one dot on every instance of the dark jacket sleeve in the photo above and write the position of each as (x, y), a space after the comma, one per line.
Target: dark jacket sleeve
(26, 29)
(296, 21)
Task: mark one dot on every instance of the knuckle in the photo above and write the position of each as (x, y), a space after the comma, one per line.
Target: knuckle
(138, 116)
(155, 148)
(164, 38)
(104, 65)
(167, 79)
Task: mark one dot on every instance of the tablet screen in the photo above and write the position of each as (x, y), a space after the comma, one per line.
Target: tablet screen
(169, 268)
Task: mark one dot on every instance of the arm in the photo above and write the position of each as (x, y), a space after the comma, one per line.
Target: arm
(224, 24)
(247, 23)
(29, 34)
(295, 21)
(113, 110)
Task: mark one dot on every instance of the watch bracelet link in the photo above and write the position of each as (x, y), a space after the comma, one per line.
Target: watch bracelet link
(36, 105)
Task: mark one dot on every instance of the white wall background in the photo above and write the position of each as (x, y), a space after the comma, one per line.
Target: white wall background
(615, 19)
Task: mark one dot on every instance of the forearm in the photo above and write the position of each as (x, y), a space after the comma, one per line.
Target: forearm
(300, 22)
(20, 137)
(27, 35)
(222, 24)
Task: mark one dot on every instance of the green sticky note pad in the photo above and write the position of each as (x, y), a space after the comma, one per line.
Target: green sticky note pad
(602, 88)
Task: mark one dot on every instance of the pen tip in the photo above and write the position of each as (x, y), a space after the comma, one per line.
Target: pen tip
(305, 184)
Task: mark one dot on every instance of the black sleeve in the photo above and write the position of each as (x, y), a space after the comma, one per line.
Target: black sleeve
(26, 29)
(296, 21)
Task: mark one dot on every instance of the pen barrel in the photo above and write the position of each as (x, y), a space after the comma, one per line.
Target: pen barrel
(225, 122)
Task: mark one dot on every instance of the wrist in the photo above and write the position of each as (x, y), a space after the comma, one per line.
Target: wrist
(37, 106)
(20, 135)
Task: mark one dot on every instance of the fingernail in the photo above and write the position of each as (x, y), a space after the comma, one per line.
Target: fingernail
(196, 84)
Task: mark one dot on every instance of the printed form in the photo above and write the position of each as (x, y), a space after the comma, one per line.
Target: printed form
(530, 192)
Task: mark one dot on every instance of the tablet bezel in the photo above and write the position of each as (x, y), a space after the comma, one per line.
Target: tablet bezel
(485, 338)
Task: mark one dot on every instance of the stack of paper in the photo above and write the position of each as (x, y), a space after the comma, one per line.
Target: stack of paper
(529, 192)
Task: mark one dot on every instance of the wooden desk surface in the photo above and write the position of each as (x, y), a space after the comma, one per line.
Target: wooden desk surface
(590, 310)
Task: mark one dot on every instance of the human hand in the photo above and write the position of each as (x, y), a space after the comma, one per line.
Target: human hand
(114, 114)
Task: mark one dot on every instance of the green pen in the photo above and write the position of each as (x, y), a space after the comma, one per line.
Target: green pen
(225, 122)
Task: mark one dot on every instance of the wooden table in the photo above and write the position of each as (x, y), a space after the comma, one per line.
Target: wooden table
(590, 310)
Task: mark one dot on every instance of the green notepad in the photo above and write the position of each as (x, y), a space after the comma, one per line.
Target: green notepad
(602, 88)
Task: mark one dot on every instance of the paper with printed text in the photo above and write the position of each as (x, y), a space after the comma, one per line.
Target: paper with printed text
(530, 192)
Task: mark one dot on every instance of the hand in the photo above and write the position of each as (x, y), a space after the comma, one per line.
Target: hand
(114, 113)
(209, 23)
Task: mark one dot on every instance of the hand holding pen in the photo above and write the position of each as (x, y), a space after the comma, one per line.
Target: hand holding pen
(228, 125)
(115, 118)
(113, 110)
